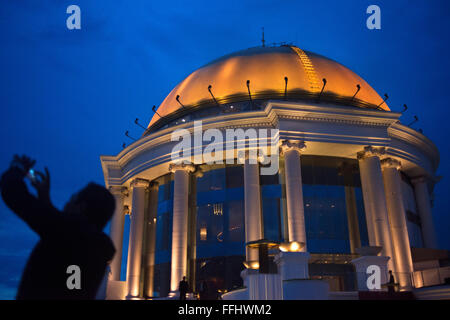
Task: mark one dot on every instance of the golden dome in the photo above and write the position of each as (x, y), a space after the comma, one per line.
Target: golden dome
(266, 68)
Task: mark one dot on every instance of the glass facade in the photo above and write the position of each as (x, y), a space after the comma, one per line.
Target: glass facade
(326, 180)
(163, 245)
(216, 230)
(220, 231)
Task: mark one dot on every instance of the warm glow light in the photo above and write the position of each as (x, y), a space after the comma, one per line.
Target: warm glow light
(218, 209)
(203, 233)
(293, 246)
(251, 264)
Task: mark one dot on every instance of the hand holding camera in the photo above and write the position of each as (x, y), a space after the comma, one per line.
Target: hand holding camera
(39, 180)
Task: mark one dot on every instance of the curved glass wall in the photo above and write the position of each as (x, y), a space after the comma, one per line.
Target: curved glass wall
(332, 194)
(163, 241)
(333, 197)
(220, 231)
(216, 231)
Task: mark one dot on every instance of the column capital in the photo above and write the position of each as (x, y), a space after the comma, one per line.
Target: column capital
(139, 183)
(252, 156)
(181, 166)
(118, 190)
(126, 210)
(370, 151)
(198, 173)
(391, 163)
(288, 145)
(153, 184)
(420, 179)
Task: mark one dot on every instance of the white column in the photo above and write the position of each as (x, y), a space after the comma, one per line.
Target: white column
(375, 200)
(397, 221)
(150, 238)
(253, 213)
(180, 223)
(116, 230)
(138, 187)
(424, 207)
(352, 219)
(294, 192)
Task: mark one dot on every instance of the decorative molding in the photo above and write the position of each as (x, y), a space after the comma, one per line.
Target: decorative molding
(335, 120)
(355, 127)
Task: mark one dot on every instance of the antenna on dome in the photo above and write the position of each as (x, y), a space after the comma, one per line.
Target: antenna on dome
(262, 40)
(285, 87)
(405, 107)
(178, 100)
(137, 123)
(249, 93)
(416, 118)
(323, 87)
(154, 110)
(384, 100)
(209, 89)
(128, 135)
(358, 87)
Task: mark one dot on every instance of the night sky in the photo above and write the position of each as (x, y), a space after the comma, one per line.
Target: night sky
(68, 96)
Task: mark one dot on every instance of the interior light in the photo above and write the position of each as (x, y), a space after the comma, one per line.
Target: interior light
(203, 233)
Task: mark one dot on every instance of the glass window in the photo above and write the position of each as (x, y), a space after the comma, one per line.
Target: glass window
(326, 212)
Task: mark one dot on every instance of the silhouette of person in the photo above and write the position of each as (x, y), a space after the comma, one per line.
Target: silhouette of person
(71, 237)
(391, 284)
(183, 288)
(203, 290)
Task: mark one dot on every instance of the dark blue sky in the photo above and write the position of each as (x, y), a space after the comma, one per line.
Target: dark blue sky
(68, 96)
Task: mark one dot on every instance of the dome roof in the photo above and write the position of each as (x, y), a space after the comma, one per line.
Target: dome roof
(266, 68)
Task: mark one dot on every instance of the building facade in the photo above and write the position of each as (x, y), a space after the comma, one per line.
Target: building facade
(349, 176)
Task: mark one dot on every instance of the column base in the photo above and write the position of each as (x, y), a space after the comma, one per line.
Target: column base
(128, 297)
(293, 265)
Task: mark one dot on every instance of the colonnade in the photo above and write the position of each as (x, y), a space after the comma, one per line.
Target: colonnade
(382, 195)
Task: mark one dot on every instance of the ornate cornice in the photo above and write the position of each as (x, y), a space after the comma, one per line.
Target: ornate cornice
(354, 128)
(335, 120)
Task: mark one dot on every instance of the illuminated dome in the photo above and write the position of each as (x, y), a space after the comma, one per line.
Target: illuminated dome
(267, 69)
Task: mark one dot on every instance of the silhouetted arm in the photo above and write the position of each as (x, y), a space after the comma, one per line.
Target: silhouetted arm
(40, 215)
